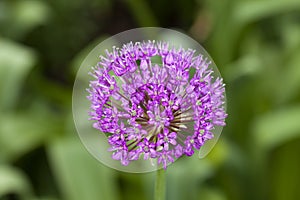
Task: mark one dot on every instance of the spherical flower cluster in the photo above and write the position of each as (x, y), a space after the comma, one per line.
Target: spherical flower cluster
(154, 101)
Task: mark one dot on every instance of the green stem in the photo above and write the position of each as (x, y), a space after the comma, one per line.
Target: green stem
(160, 185)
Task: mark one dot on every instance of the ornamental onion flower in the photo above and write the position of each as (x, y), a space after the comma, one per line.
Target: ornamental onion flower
(155, 101)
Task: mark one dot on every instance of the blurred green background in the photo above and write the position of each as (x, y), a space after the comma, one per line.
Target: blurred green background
(255, 44)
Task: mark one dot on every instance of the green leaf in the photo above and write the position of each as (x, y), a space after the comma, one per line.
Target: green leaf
(248, 65)
(78, 174)
(284, 172)
(246, 12)
(22, 132)
(290, 76)
(277, 127)
(20, 17)
(210, 193)
(187, 171)
(15, 63)
(290, 34)
(43, 198)
(13, 181)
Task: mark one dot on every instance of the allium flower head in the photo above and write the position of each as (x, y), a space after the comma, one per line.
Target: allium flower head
(155, 101)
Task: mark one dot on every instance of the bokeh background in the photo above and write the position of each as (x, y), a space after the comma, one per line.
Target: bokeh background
(255, 44)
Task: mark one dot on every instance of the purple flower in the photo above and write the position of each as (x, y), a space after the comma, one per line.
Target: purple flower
(165, 138)
(155, 110)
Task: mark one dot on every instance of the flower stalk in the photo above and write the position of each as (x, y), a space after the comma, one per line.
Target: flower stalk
(160, 185)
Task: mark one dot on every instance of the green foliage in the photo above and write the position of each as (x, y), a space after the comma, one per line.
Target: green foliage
(255, 44)
(79, 175)
(15, 63)
(20, 133)
(276, 128)
(13, 181)
(19, 17)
